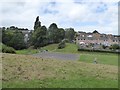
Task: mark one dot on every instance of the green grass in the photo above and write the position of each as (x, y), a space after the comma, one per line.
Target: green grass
(27, 51)
(110, 59)
(25, 71)
(70, 48)
(81, 82)
(102, 58)
(34, 51)
(50, 47)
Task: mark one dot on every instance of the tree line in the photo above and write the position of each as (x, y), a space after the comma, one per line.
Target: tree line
(39, 37)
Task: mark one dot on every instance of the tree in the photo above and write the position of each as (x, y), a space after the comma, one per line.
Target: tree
(30, 39)
(61, 34)
(39, 37)
(17, 41)
(70, 34)
(13, 38)
(37, 23)
(53, 33)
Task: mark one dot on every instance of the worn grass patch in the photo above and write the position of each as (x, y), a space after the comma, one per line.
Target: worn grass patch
(28, 71)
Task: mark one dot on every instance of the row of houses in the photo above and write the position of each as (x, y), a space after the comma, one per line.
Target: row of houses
(96, 38)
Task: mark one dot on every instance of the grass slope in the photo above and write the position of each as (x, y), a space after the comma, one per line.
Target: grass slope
(27, 51)
(27, 71)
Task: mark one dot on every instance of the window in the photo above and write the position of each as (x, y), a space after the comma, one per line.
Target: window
(113, 40)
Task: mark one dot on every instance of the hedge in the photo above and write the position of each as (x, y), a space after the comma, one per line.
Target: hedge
(96, 50)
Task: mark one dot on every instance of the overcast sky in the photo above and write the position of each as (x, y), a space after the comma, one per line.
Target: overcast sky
(82, 15)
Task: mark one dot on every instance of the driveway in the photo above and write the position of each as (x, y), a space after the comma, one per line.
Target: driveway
(58, 55)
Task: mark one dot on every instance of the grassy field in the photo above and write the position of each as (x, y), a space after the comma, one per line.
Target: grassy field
(27, 51)
(70, 48)
(110, 59)
(23, 71)
(102, 58)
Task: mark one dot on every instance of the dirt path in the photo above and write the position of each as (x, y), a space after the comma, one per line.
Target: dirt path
(57, 55)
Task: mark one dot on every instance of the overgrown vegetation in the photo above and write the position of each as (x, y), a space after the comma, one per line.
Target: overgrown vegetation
(13, 37)
(114, 46)
(7, 49)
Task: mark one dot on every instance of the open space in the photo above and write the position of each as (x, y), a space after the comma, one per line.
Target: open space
(59, 44)
(102, 58)
(57, 68)
(29, 71)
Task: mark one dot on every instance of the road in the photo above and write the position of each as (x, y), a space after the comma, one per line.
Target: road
(58, 55)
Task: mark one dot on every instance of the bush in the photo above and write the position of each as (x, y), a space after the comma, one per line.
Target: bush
(104, 47)
(61, 44)
(114, 46)
(6, 49)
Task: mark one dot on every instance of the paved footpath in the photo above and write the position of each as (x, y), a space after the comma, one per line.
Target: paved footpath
(58, 55)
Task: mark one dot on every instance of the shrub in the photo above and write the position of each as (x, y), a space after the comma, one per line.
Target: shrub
(115, 46)
(6, 49)
(104, 47)
(61, 44)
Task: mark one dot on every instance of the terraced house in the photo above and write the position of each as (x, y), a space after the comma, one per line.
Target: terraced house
(96, 38)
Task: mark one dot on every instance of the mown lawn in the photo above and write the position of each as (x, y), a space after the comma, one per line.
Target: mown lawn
(89, 57)
(26, 71)
(111, 59)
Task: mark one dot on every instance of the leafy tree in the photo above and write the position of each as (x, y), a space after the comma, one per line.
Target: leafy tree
(37, 24)
(39, 37)
(17, 41)
(39, 34)
(70, 34)
(30, 39)
(61, 34)
(53, 33)
(13, 38)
